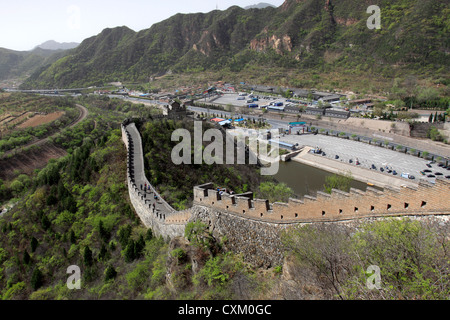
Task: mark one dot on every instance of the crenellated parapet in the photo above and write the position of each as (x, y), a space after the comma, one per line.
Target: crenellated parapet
(339, 205)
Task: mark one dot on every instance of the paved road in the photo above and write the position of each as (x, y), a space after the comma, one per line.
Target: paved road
(366, 154)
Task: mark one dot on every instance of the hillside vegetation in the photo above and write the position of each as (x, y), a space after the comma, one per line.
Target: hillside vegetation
(21, 64)
(311, 37)
(76, 212)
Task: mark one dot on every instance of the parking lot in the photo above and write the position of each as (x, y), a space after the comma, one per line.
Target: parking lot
(369, 155)
(232, 99)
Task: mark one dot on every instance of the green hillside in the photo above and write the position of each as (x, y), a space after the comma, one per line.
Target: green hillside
(313, 36)
(76, 212)
(21, 64)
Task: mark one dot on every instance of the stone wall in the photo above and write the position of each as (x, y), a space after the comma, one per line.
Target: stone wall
(420, 130)
(252, 227)
(154, 219)
(426, 199)
(258, 242)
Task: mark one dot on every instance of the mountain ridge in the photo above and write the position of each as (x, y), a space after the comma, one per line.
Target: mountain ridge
(54, 45)
(260, 5)
(20, 64)
(324, 35)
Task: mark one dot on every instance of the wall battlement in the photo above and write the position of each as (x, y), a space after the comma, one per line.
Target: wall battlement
(425, 199)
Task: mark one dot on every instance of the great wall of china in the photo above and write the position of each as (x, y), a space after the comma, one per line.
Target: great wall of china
(252, 227)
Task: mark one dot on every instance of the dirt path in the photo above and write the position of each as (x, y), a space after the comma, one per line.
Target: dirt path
(83, 114)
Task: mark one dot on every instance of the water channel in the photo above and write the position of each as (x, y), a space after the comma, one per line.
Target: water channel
(307, 180)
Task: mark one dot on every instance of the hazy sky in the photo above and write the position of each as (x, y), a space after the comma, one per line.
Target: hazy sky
(25, 24)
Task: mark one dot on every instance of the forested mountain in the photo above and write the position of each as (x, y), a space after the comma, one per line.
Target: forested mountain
(323, 35)
(16, 64)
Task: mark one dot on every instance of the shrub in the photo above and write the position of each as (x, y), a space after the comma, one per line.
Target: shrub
(37, 279)
(87, 256)
(179, 254)
(110, 273)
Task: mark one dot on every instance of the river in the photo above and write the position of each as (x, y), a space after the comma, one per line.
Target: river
(307, 180)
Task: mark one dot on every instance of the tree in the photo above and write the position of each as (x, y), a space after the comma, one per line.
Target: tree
(72, 237)
(411, 255)
(17, 187)
(275, 192)
(110, 273)
(130, 251)
(104, 234)
(87, 256)
(34, 243)
(103, 253)
(434, 134)
(149, 235)
(338, 182)
(45, 222)
(198, 235)
(26, 257)
(323, 253)
(124, 234)
(37, 279)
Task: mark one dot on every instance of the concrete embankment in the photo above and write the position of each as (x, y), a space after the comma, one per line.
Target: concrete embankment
(358, 173)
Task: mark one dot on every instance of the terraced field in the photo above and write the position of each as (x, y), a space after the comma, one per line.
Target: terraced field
(40, 119)
(29, 124)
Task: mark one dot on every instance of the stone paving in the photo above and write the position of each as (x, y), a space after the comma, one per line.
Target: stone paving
(141, 181)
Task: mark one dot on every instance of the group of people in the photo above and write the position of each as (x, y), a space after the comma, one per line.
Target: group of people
(147, 188)
(224, 191)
